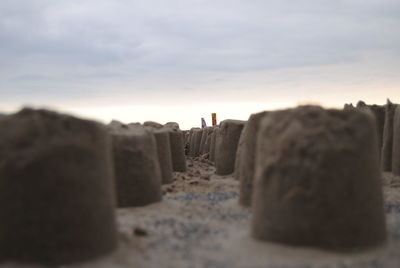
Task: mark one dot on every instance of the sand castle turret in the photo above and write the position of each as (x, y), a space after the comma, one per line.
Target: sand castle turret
(226, 145)
(317, 180)
(387, 146)
(196, 142)
(57, 195)
(245, 159)
(212, 145)
(164, 153)
(207, 144)
(396, 142)
(136, 165)
(152, 124)
(173, 125)
(177, 149)
(206, 131)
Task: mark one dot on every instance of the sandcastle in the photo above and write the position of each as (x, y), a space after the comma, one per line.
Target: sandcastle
(212, 144)
(177, 149)
(188, 141)
(379, 112)
(199, 141)
(207, 144)
(173, 125)
(396, 142)
(192, 141)
(310, 177)
(202, 140)
(164, 154)
(317, 179)
(245, 159)
(387, 146)
(196, 142)
(136, 165)
(56, 189)
(226, 144)
(162, 137)
(152, 124)
(206, 132)
(185, 135)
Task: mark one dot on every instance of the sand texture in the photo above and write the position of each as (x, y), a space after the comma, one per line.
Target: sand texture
(200, 224)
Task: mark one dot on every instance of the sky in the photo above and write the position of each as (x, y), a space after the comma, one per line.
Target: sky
(180, 60)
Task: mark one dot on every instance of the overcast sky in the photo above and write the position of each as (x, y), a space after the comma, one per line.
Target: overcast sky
(183, 59)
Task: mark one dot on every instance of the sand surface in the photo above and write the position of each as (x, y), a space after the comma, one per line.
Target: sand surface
(200, 224)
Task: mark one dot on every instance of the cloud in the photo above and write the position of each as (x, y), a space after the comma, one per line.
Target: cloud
(85, 49)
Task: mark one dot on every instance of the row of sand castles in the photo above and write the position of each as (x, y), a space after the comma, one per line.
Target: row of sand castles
(62, 177)
(388, 127)
(311, 176)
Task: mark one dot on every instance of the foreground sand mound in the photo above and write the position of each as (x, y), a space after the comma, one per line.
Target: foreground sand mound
(317, 179)
(57, 194)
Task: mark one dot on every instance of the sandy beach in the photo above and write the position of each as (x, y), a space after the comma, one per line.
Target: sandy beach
(200, 224)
